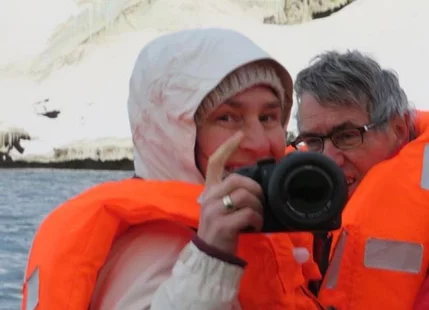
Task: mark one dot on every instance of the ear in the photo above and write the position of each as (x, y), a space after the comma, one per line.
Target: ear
(400, 127)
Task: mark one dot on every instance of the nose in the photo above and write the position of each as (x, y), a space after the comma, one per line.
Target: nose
(256, 141)
(333, 152)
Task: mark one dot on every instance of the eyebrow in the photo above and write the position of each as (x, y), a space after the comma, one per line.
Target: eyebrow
(267, 105)
(342, 126)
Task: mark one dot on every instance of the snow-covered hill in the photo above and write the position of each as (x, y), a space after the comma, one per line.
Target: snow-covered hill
(75, 57)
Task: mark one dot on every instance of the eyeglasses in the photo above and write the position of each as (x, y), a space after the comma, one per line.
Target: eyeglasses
(343, 139)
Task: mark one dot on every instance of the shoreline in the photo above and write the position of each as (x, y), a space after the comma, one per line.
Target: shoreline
(78, 164)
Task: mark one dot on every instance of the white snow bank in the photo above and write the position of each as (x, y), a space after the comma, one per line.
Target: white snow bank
(88, 82)
(103, 149)
(47, 32)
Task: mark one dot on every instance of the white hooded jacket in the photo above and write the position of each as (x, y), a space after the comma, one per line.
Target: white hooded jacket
(155, 266)
(171, 77)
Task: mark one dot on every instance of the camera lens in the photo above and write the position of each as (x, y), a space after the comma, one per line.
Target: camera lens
(307, 191)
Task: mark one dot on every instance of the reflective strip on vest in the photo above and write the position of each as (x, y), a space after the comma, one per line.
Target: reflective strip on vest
(334, 267)
(393, 255)
(33, 290)
(425, 169)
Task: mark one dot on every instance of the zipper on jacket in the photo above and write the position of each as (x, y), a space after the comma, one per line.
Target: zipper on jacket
(322, 243)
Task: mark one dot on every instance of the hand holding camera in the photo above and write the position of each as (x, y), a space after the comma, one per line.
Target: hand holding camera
(304, 191)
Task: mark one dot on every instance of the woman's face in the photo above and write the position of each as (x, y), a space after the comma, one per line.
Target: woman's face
(258, 113)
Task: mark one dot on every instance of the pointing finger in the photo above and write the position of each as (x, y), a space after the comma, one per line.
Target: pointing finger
(217, 161)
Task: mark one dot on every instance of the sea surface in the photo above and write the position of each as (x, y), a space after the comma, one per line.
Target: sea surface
(26, 197)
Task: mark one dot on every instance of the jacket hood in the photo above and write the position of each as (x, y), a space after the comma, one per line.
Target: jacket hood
(171, 77)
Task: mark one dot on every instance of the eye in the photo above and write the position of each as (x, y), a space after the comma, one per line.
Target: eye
(270, 118)
(347, 135)
(228, 118)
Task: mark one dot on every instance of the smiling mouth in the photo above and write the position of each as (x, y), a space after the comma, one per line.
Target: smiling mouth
(351, 181)
(233, 168)
(351, 185)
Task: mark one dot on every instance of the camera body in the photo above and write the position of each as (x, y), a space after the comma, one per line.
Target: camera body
(304, 191)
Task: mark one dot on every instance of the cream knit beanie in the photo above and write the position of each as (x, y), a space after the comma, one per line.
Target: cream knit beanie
(245, 77)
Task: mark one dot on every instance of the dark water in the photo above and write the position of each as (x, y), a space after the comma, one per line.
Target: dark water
(26, 197)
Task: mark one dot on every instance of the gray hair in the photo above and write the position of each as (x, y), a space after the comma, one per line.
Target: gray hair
(352, 79)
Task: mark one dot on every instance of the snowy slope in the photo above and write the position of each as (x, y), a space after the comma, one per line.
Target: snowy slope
(88, 82)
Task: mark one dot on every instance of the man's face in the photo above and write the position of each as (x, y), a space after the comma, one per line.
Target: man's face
(377, 145)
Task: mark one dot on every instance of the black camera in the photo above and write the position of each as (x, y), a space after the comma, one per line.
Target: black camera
(304, 191)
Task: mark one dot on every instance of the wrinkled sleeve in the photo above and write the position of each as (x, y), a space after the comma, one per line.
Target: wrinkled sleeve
(157, 266)
(198, 281)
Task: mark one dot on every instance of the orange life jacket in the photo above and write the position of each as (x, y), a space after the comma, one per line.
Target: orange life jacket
(381, 257)
(289, 149)
(72, 243)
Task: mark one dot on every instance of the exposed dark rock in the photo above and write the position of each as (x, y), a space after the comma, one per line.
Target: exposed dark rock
(51, 114)
(10, 141)
(314, 15)
(89, 164)
(317, 15)
(46, 112)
